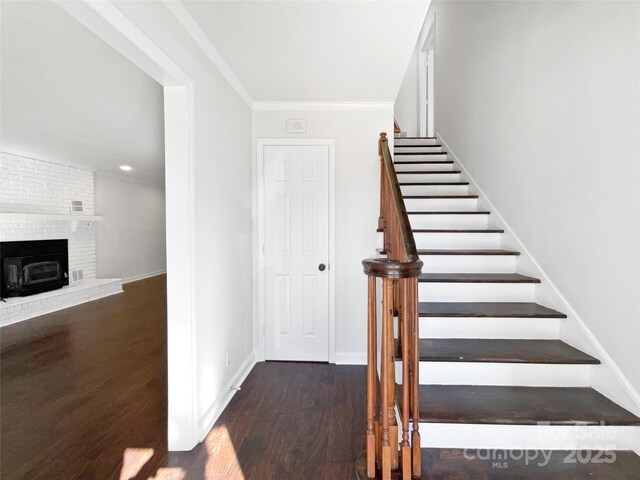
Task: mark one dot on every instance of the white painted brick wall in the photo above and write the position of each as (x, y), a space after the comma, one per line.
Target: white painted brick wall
(28, 185)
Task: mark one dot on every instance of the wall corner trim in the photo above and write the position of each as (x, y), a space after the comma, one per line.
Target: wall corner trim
(193, 29)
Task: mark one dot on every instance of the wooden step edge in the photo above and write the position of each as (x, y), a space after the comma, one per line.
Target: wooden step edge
(500, 253)
(433, 184)
(454, 230)
(487, 310)
(428, 172)
(419, 153)
(415, 138)
(535, 352)
(519, 405)
(477, 278)
(438, 145)
(425, 162)
(452, 212)
(441, 197)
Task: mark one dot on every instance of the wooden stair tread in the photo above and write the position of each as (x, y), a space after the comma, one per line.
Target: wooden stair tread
(440, 197)
(487, 310)
(412, 146)
(428, 172)
(418, 153)
(452, 212)
(432, 251)
(459, 464)
(414, 138)
(508, 405)
(425, 162)
(432, 184)
(467, 252)
(501, 351)
(476, 278)
(456, 230)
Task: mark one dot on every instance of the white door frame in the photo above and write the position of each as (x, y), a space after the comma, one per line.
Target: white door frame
(259, 274)
(426, 78)
(105, 20)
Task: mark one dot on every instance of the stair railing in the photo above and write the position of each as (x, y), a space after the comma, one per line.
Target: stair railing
(399, 272)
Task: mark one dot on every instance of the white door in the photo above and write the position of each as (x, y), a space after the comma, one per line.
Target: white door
(296, 250)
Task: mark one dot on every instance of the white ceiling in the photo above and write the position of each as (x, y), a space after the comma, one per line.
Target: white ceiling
(314, 50)
(68, 97)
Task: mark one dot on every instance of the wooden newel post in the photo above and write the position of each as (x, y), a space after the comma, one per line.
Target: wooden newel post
(384, 449)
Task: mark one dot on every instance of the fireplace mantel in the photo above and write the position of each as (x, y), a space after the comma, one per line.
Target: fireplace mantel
(74, 219)
(51, 216)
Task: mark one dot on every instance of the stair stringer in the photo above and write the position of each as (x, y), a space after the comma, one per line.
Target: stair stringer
(607, 378)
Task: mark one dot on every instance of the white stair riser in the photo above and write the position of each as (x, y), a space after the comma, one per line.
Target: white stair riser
(472, 221)
(528, 437)
(476, 292)
(458, 240)
(505, 328)
(428, 178)
(434, 189)
(420, 157)
(500, 374)
(415, 141)
(423, 167)
(441, 204)
(406, 149)
(469, 263)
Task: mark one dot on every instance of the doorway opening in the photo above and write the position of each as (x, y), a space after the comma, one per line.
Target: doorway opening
(426, 80)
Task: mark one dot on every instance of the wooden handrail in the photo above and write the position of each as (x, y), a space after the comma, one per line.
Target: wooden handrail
(393, 211)
(399, 273)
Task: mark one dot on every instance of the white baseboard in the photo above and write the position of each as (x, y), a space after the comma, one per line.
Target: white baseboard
(607, 378)
(351, 358)
(217, 407)
(143, 276)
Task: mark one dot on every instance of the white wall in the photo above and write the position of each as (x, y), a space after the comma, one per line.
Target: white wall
(407, 107)
(199, 379)
(131, 240)
(357, 174)
(541, 102)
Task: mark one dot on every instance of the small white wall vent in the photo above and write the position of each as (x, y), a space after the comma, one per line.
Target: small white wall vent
(76, 206)
(77, 275)
(296, 125)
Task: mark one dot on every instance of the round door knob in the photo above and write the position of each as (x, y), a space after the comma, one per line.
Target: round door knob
(321, 267)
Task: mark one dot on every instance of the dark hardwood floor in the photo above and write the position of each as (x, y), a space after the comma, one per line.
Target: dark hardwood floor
(83, 396)
(83, 388)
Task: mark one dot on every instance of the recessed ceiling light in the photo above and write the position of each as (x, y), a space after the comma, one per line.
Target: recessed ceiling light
(125, 168)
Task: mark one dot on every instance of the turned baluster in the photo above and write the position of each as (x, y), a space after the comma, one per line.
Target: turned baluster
(412, 305)
(387, 322)
(405, 327)
(372, 346)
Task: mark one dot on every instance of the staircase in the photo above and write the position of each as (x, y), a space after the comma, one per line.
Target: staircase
(494, 377)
